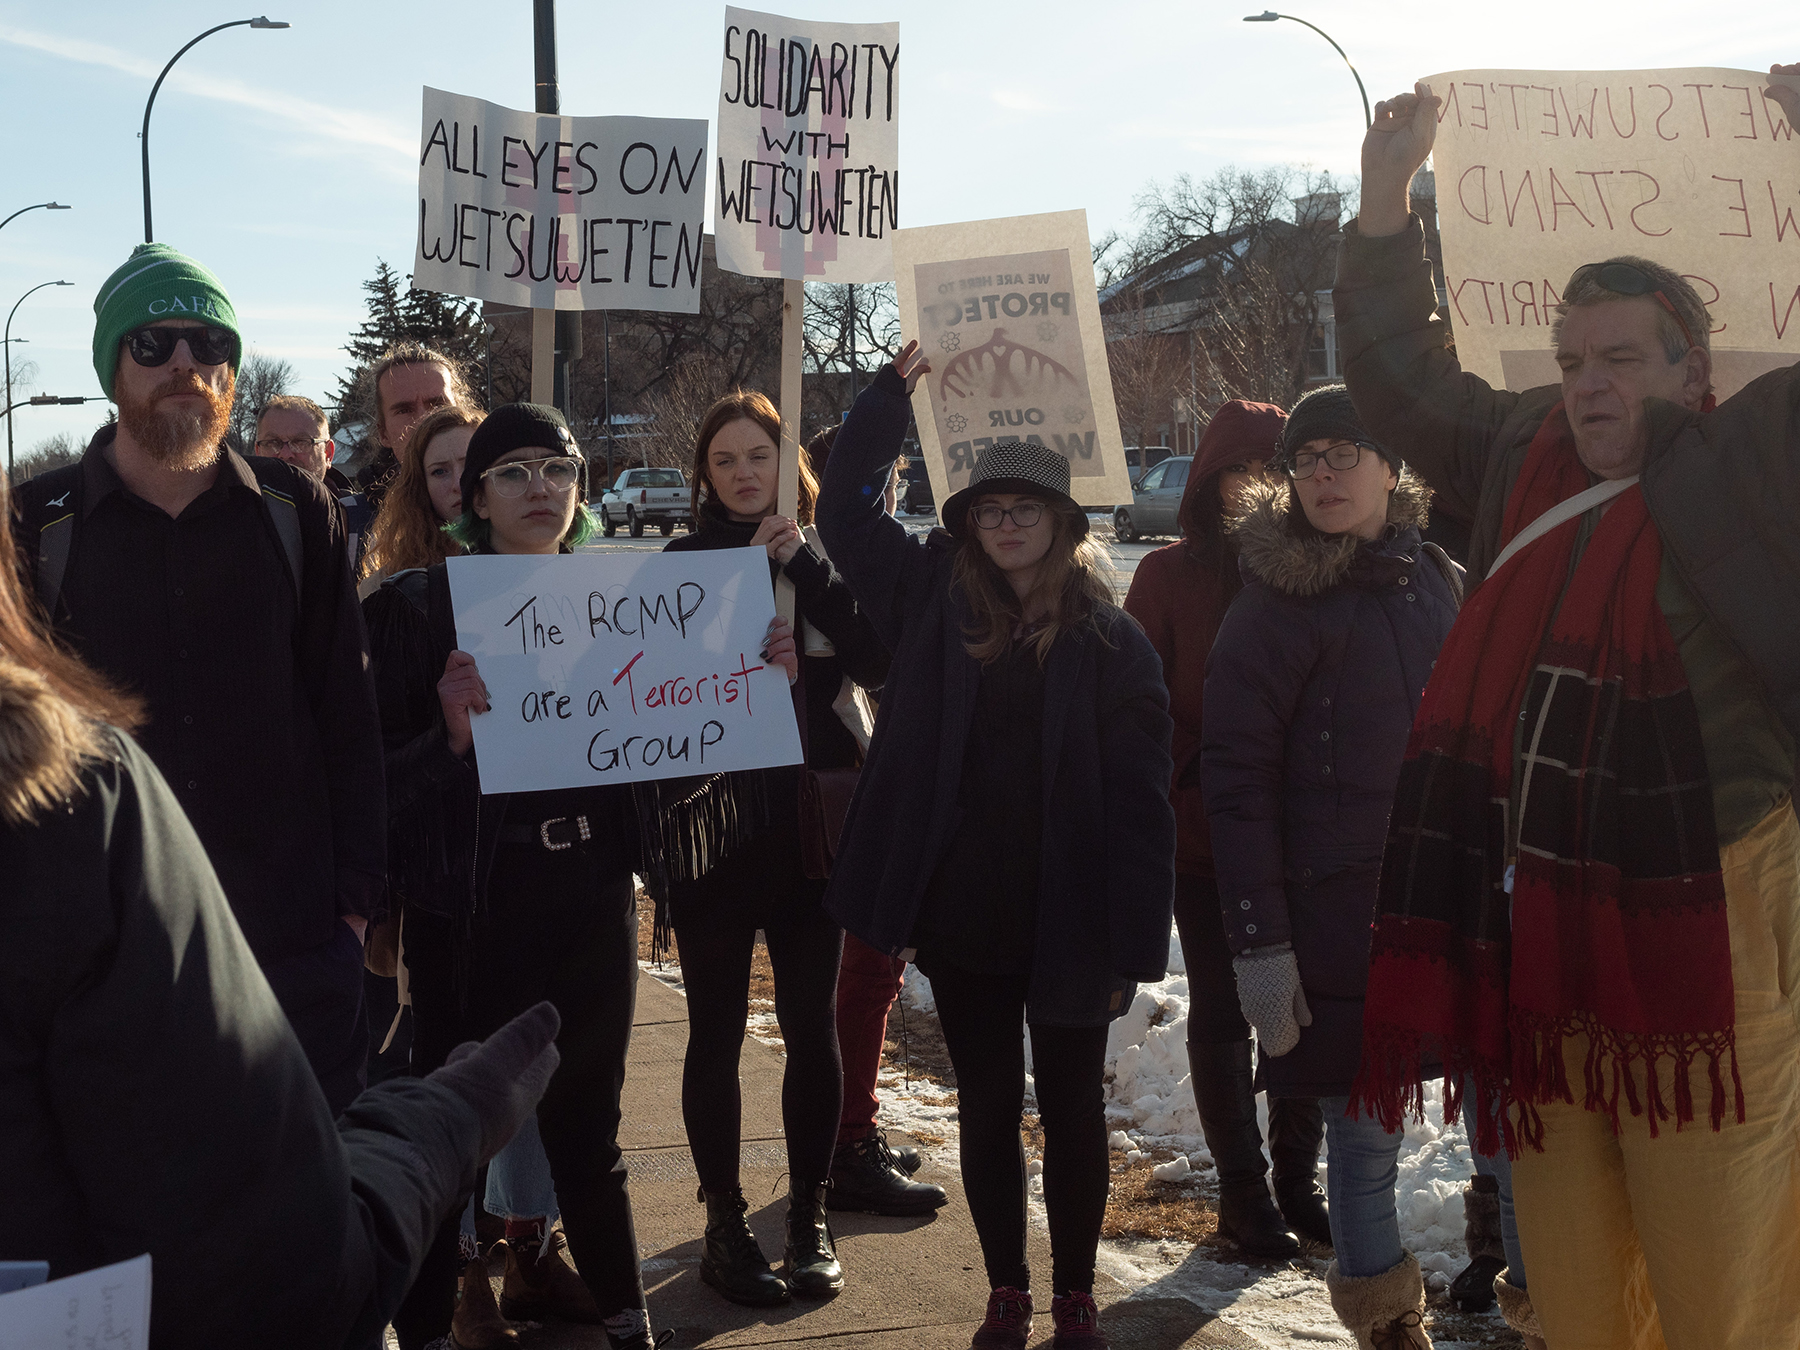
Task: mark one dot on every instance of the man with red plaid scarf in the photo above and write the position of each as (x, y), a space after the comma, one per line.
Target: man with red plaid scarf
(1590, 905)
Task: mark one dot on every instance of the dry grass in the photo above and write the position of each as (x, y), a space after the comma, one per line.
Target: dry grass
(1140, 1207)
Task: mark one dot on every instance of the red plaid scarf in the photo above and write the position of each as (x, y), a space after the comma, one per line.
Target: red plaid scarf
(1617, 925)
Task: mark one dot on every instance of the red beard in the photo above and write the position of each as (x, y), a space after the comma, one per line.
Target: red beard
(183, 438)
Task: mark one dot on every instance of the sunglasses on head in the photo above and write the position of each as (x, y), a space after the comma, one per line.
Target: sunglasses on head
(154, 346)
(1624, 279)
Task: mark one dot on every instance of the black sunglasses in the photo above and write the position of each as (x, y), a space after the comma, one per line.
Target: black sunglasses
(1624, 279)
(154, 346)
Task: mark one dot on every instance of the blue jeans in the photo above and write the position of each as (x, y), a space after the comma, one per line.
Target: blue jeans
(1364, 1165)
(519, 1184)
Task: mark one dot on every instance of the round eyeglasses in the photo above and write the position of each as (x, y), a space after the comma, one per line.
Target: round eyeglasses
(559, 472)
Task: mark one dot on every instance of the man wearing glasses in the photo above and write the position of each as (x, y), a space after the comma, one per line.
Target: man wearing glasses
(218, 590)
(1590, 905)
(295, 431)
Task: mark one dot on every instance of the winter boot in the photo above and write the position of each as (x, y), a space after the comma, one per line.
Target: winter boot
(1515, 1307)
(1473, 1290)
(1007, 1325)
(865, 1176)
(731, 1261)
(477, 1323)
(907, 1158)
(1222, 1076)
(1385, 1311)
(540, 1282)
(1296, 1129)
(1077, 1322)
(812, 1269)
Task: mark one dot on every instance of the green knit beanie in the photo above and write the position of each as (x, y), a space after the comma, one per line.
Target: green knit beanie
(156, 282)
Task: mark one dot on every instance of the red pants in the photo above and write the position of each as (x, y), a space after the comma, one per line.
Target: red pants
(868, 984)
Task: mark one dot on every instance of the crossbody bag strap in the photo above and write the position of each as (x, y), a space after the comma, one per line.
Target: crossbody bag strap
(1563, 511)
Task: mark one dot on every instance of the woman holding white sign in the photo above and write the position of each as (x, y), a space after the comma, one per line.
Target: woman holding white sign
(1012, 831)
(762, 858)
(512, 897)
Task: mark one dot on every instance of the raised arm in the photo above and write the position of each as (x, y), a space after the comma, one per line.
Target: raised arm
(889, 572)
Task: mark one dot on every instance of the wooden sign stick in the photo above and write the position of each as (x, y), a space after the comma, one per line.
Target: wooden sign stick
(787, 495)
(543, 355)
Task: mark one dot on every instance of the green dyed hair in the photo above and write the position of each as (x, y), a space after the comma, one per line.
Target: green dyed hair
(474, 533)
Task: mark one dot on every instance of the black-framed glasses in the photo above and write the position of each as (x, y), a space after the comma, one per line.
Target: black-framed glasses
(1342, 457)
(154, 346)
(1624, 279)
(1023, 514)
(275, 446)
(559, 472)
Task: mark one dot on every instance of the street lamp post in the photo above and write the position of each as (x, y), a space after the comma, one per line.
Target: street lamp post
(144, 135)
(1269, 16)
(8, 345)
(35, 206)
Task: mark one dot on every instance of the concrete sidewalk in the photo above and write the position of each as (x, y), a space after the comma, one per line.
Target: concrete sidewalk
(913, 1284)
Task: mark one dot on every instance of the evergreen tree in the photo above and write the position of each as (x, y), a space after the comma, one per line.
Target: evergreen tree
(399, 313)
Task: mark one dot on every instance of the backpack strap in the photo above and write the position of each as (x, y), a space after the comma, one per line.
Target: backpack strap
(1453, 575)
(56, 531)
(284, 515)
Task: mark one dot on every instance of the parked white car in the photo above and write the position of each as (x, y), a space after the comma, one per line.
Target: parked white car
(641, 497)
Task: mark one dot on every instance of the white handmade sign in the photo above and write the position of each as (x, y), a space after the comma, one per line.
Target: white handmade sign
(1541, 171)
(107, 1306)
(1007, 313)
(809, 148)
(615, 668)
(550, 212)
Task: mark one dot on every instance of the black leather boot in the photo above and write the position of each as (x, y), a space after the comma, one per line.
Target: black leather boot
(1296, 1129)
(1473, 1289)
(812, 1269)
(731, 1261)
(1222, 1076)
(866, 1176)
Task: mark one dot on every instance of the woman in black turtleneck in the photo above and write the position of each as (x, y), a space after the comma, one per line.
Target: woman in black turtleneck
(751, 876)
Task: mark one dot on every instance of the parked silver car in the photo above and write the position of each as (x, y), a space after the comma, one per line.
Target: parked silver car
(1155, 501)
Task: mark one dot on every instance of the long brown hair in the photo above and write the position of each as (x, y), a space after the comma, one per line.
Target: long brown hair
(1072, 575)
(407, 531)
(746, 405)
(82, 699)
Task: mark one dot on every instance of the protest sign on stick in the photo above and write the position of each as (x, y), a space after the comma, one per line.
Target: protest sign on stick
(551, 212)
(1008, 314)
(809, 148)
(1540, 171)
(617, 668)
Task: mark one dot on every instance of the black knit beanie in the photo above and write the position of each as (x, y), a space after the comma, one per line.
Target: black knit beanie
(513, 426)
(1326, 415)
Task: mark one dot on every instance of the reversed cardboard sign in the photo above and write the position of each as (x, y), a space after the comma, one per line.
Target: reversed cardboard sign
(551, 212)
(1007, 313)
(617, 668)
(809, 148)
(107, 1306)
(1541, 171)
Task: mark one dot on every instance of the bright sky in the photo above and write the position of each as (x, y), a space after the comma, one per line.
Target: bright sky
(286, 160)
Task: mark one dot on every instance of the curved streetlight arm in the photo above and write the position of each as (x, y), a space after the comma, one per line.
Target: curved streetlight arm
(35, 206)
(1267, 15)
(7, 347)
(144, 135)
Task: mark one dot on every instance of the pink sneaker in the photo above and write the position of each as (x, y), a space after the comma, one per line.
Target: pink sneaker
(1008, 1322)
(1077, 1323)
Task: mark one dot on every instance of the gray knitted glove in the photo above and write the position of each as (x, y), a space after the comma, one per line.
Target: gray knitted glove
(1268, 981)
(503, 1076)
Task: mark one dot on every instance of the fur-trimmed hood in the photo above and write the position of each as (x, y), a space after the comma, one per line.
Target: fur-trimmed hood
(43, 741)
(1271, 551)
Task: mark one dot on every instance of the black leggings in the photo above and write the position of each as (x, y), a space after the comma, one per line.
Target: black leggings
(763, 887)
(981, 1015)
(1215, 1016)
(563, 927)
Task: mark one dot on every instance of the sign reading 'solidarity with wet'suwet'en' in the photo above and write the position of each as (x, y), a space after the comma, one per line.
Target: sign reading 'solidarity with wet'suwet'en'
(551, 212)
(615, 668)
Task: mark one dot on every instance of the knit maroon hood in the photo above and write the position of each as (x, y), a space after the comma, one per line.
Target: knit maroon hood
(1238, 430)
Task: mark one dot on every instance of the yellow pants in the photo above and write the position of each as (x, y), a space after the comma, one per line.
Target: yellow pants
(1690, 1240)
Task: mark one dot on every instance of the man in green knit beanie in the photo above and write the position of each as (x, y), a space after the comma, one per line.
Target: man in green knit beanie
(158, 285)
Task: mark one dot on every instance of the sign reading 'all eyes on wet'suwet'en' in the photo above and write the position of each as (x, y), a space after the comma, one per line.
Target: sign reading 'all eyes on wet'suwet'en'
(552, 212)
(617, 668)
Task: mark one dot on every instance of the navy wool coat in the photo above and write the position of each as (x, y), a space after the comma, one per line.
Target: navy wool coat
(1311, 688)
(1108, 829)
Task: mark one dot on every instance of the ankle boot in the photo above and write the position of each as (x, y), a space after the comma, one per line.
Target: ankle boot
(730, 1259)
(1296, 1129)
(1385, 1311)
(1473, 1289)
(812, 1268)
(1222, 1076)
(477, 1323)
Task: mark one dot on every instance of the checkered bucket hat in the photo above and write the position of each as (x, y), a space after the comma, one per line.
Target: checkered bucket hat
(1012, 466)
